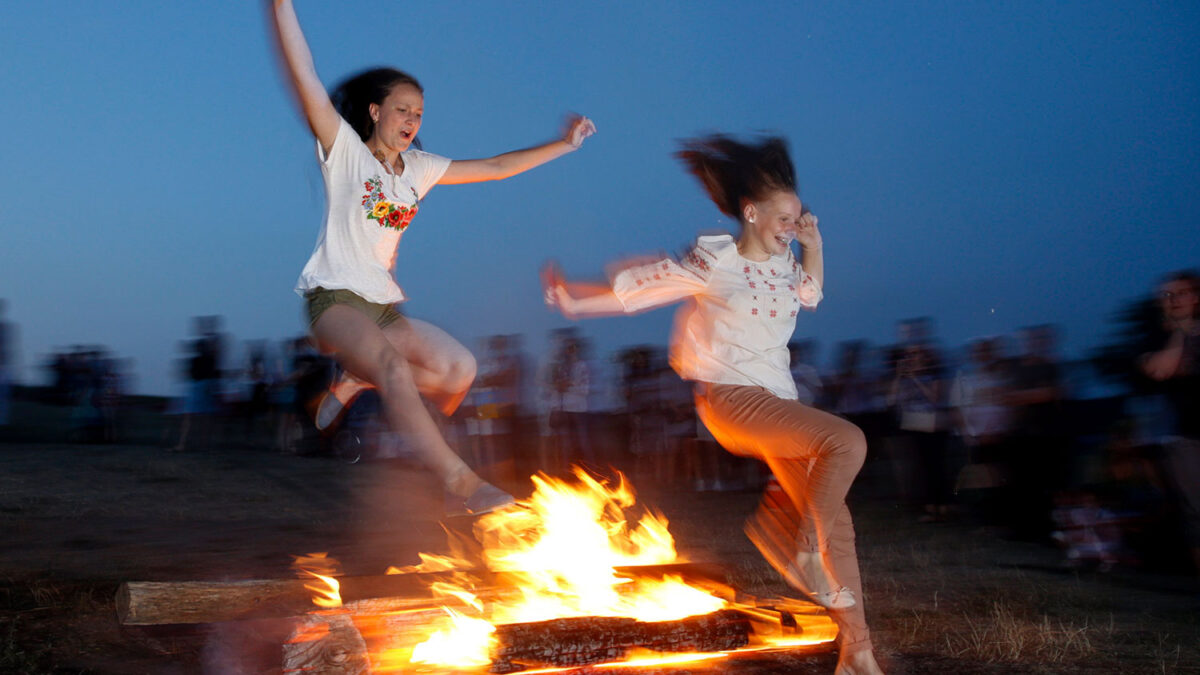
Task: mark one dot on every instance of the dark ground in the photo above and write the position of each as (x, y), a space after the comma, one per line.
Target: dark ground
(77, 519)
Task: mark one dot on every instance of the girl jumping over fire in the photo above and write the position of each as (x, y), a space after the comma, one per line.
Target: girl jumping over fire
(730, 340)
(374, 181)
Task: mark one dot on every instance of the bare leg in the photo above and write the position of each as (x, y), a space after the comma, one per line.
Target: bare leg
(363, 349)
(442, 368)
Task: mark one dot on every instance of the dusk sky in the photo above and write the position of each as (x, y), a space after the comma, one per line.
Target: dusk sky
(989, 164)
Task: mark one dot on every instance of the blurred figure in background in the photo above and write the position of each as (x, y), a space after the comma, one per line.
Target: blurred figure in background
(1041, 452)
(571, 380)
(203, 372)
(919, 447)
(979, 401)
(1176, 366)
(494, 398)
(7, 363)
(851, 391)
(255, 393)
(810, 389)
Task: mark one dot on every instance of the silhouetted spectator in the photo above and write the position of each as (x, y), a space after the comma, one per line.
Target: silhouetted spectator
(494, 398)
(1176, 365)
(571, 379)
(1041, 451)
(7, 364)
(809, 387)
(202, 403)
(979, 400)
(919, 447)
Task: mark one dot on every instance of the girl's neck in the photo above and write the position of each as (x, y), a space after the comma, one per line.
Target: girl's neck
(751, 251)
(386, 157)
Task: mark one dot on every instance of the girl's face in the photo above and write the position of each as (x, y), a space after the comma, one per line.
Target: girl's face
(398, 118)
(769, 225)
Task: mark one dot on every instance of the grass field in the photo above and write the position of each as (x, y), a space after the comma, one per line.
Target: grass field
(78, 519)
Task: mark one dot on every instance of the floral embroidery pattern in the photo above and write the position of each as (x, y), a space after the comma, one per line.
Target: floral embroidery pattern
(387, 214)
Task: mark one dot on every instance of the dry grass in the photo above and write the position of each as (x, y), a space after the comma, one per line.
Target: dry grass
(940, 598)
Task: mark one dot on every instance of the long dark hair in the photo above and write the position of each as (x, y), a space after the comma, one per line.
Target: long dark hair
(734, 171)
(354, 95)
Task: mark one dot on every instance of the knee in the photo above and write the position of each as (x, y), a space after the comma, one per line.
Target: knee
(394, 372)
(461, 371)
(849, 444)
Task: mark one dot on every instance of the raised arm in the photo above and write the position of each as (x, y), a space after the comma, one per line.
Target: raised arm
(519, 161)
(811, 257)
(314, 102)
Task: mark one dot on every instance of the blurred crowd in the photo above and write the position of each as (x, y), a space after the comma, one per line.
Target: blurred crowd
(1100, 457)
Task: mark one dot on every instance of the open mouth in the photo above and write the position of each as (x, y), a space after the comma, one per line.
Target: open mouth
(784, 239)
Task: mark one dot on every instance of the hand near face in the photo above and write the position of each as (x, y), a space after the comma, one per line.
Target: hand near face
(807, 234)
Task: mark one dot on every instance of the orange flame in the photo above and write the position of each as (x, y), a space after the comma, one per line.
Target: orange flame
(328, 595)
(556, 555)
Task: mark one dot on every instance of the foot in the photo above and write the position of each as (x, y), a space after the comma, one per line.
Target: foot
(487, 498)
(807, 574)
(339, 397)
(861, 662)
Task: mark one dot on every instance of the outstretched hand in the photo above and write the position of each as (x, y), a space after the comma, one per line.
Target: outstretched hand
(554, 289)
(577, 128)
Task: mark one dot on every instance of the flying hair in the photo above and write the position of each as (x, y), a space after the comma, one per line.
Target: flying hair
(733, 172)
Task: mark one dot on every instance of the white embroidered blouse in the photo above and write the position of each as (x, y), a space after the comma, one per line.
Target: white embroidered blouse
(739, 315)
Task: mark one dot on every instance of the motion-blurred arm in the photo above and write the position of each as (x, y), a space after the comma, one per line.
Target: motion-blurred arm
(322, 117)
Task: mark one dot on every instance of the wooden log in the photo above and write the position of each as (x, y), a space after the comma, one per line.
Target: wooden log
(326, 644)
(144, 603)
(147, 603)
(585, 640)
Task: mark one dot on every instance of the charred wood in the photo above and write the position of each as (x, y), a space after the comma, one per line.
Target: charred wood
(585, 640)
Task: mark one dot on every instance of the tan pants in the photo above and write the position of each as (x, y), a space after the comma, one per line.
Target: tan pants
(815, 456)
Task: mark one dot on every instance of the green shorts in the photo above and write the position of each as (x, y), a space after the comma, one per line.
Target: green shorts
(320, 299)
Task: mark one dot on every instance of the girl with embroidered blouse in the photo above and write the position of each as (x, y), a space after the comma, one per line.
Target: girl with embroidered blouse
(374, 179)
(741, 298)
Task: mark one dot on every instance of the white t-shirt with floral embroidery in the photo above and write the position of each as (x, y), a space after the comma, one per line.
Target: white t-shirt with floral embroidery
(367, 210)
(740, 314)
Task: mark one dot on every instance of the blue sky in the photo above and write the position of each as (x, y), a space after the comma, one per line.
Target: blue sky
(990, 164)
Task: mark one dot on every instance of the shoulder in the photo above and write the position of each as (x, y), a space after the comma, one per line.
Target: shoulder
(718, 247)
(422, 158)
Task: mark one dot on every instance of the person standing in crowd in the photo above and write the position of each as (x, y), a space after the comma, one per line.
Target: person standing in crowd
(572, 382)
(203, 400)
(6, 365)
(742, 298)
(809, 387)
(919, 448)
(1040, 451)
(375, 177)
(979, 401)
(495, 400)
(1176, 366)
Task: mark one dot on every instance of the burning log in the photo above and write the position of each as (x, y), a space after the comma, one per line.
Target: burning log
(326, 644)
(585, 640)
